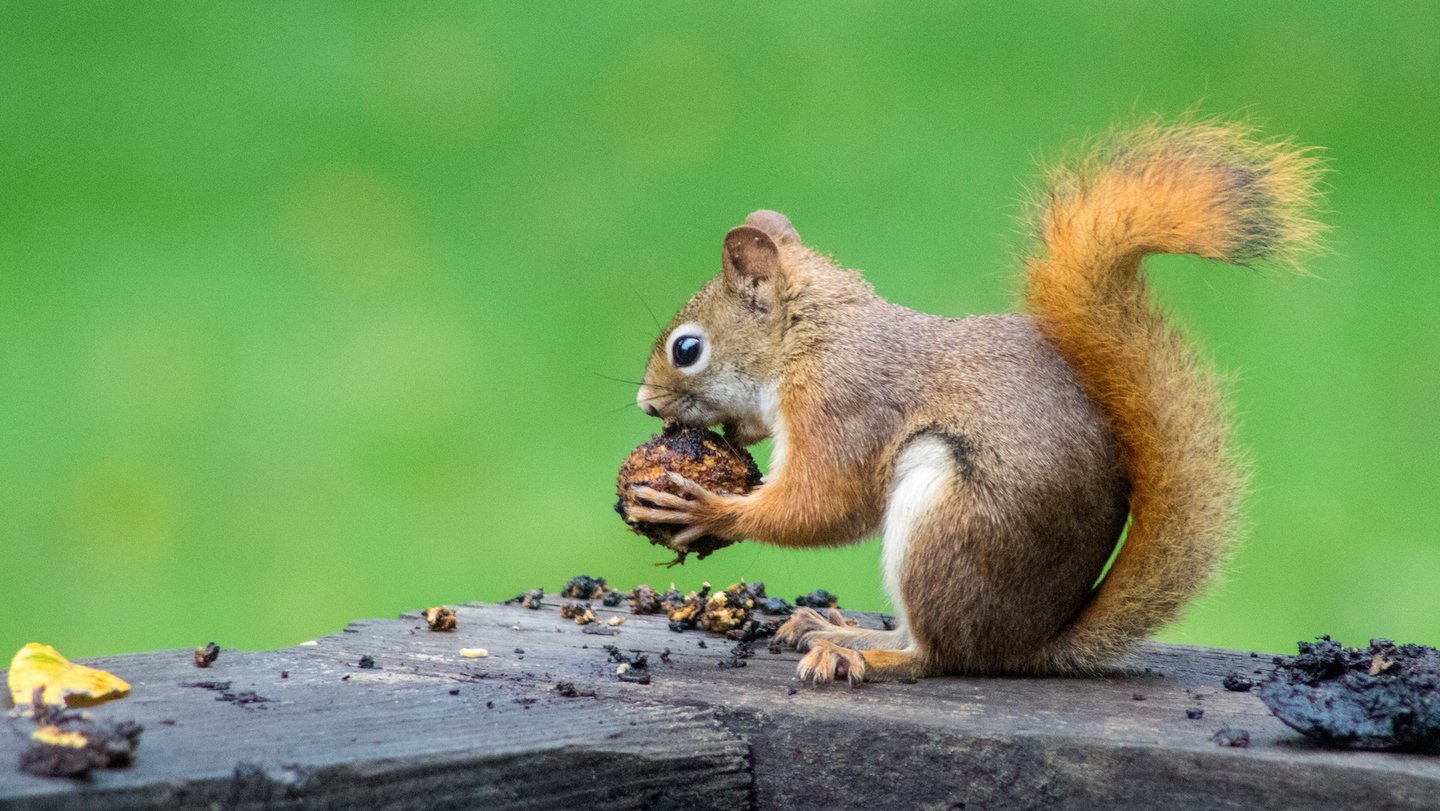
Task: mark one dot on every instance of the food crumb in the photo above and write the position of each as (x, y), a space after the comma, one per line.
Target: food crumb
(617, 620)
(440, 618)
(1227, 736)
(71, 744)
(367, 663)
(205, 655)
(531, 599)
(644, 600)
(584, 587)
(474, 653)
(819, 598)
(580, 612)
(568, 690)
(1237, 683)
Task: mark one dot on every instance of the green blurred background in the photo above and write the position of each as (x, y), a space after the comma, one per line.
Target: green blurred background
(307, 310)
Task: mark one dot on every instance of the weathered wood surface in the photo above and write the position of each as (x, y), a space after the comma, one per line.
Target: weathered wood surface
(431, 729)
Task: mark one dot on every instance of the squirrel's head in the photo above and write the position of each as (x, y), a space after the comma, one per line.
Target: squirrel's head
(718, 363)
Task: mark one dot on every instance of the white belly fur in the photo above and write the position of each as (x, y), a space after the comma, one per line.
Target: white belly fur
(923, 471)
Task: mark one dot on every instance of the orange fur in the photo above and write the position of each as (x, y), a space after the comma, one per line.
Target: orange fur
(1203, 189)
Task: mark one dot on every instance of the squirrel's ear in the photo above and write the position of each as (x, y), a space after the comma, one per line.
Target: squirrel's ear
(749, 252)
(775, 224)
(751, 265)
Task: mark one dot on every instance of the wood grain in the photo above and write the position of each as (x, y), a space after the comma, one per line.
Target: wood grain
(698, 736)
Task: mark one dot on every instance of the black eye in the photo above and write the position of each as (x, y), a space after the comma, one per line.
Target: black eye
(685, 351)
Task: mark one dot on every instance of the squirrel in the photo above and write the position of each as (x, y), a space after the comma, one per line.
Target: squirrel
(998, 456)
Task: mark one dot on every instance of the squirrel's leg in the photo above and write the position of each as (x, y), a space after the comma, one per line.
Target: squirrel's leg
(923, 509)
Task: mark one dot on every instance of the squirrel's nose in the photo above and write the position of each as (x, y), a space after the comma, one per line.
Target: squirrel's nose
(645, 398)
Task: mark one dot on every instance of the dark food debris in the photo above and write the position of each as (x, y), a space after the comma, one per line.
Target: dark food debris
(1136, 697)
(102, 744)
(613, 599)
(634, 669)
(685, 613)
(584, 587)
(367, 663)
(244, 698)
(700, 455)
(1194, 713)
(580, 612)
(819, 598)
(1383, 697)
(568, 690)
(754, 629)
(440, 618)
(644, 600)
(1237, 683)
(738, 655)
(773, 605)
(205, 655)
(528, 599)
(1227, 736)
(665, 656)
(727, 610)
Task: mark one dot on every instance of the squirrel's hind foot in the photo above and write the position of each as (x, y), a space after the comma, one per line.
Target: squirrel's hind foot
(828, 662)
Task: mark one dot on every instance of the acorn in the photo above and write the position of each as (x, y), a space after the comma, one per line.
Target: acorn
(700, 455)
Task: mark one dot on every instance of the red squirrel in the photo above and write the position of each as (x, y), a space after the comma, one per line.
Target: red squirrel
(999, 456)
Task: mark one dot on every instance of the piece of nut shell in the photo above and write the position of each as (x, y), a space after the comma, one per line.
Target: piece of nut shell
(700, 455)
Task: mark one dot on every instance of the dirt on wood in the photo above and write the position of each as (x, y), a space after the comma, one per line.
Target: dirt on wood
(1386, 696)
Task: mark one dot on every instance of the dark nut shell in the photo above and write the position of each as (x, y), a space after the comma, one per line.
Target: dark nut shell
(700, 455)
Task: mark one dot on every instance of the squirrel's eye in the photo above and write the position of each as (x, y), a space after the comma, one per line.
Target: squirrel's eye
(689, 348)
(686, 350)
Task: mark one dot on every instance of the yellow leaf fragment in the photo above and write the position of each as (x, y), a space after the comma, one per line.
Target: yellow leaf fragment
(41, 667)
(51, 735)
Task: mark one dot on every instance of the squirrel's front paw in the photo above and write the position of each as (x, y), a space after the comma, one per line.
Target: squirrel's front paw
(702, 511)
(827, 662)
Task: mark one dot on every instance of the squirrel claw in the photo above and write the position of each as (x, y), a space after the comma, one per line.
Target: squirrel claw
(657, 516)
(798, 631)
(827, 662)
(688, 487)
(660, 498)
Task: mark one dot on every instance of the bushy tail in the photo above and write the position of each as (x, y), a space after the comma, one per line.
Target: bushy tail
(1205, 189)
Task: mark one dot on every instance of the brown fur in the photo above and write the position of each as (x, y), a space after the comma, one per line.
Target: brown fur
(1049, 429)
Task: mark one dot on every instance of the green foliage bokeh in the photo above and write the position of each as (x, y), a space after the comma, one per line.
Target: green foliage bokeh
(307, 310)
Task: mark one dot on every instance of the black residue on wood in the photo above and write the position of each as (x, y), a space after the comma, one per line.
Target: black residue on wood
(699, 736)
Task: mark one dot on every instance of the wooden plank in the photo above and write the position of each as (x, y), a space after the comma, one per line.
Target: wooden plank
(698, 735)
